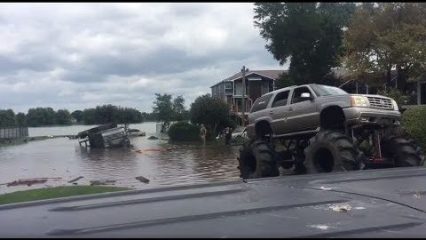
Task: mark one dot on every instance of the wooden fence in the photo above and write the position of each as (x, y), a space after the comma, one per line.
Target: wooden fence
(13, 133)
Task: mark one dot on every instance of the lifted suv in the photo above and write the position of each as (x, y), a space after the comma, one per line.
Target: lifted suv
(319, 128)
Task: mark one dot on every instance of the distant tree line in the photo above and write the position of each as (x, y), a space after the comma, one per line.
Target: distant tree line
(35, 117)
(107, 114)
(46, 116)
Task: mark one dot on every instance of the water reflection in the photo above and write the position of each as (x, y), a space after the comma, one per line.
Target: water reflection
(108, 162)
(163, 163)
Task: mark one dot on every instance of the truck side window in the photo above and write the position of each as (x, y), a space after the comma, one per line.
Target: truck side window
(261, 103)
(297, 93)
(280, 99)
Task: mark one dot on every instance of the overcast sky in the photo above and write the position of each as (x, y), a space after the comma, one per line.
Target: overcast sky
(79, 55)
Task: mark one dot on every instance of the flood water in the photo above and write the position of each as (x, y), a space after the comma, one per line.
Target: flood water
(163, 163)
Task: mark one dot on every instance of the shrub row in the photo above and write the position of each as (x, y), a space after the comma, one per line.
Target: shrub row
(183, 131)
(414, 121)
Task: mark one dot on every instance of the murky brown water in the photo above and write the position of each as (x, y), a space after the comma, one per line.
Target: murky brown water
(161, 162)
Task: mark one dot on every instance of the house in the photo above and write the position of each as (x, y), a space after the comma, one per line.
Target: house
(258, 82)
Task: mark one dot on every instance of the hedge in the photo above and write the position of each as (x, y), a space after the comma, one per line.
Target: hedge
(414, 121)
(183, 131)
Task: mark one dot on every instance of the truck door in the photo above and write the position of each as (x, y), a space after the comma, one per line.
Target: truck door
(279, 112)
(303, 114)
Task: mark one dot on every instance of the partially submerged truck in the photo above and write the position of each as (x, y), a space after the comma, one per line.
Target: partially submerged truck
(104, 136)
(317, 128)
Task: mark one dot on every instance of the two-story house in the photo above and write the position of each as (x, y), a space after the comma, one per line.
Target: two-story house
(258, 82)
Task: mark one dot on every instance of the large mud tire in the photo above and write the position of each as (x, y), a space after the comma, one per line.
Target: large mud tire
(246, 161)
(401, 151)
(403, 133)
(331, 151)
(257, 160)
(419, 150)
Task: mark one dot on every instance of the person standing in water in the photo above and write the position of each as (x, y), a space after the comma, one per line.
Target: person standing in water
(203, 133)
(228, 135)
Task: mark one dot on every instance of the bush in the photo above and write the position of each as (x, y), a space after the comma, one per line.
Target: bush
(183, 131)
(413, 121)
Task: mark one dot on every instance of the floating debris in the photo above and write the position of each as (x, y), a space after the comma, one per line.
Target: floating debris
(417, 195)
(359, 208)
(75, 179)
(319, 226)
(152, 137)
(341, 208)
(325, 188)
(135, 133)
(102, 182)
(28, 182)
(154, 150)
(142, 179)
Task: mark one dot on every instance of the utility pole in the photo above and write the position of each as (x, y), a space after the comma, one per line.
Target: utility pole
(243, 102)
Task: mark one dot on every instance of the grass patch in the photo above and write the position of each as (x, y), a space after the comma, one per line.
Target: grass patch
(55, 192)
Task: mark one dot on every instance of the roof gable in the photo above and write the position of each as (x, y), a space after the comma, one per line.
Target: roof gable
(271, 74)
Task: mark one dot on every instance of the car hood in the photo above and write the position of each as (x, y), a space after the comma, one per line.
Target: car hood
(369, 203)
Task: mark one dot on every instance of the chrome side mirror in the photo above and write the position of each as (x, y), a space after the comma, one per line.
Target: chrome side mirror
(306, 95)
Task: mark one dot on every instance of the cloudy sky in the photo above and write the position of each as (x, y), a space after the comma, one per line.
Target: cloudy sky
(79, 55)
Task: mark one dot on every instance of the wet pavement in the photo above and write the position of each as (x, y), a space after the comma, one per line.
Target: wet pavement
(162, 163)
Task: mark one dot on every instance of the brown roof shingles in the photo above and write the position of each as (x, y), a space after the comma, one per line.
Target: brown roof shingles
(272, 74)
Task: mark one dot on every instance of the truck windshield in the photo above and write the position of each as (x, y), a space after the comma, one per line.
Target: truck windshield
(323, 90)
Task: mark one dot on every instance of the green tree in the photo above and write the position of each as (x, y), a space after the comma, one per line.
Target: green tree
(178, 108)
(149, 116)
(111, 114)
(77, 115)
(129, 115)
(106, 114)
(163, 108)
(211, 112)
(310, 34)
(385, 37)
(89, 116)
(63, 117)
(7, 118)
(21, 119)
(41, 116)
(284, 81)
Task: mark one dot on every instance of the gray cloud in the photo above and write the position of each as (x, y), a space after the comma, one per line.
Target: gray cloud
(77, 56)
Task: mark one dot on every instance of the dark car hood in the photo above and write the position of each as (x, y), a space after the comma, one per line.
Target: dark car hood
(371, 203)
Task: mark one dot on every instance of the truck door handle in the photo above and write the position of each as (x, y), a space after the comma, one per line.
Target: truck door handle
(271, 112)
(290, 109)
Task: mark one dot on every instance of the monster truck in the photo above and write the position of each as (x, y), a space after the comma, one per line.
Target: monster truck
(316, 128)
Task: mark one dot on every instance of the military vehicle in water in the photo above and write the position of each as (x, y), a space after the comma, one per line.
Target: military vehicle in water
(104, 136)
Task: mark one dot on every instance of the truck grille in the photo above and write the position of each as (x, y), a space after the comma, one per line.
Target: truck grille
(380, 103)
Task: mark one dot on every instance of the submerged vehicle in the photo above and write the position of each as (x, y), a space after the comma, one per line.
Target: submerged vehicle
(104, 136)
(135, 133)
